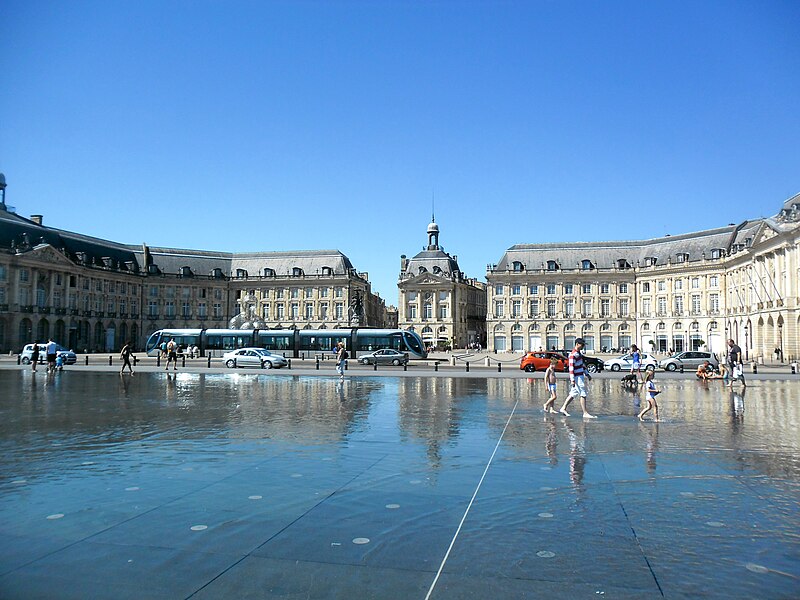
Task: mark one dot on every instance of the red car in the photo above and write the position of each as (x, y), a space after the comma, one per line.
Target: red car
(539, 361)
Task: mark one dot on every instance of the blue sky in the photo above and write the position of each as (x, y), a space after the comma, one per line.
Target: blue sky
(246, 126)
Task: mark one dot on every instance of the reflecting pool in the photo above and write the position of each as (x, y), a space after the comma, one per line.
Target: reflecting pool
(251, 485)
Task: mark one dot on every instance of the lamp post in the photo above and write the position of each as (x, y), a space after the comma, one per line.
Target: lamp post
(746, 343)
(780, 341)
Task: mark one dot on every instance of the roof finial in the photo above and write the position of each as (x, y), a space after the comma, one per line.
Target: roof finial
(433, 207)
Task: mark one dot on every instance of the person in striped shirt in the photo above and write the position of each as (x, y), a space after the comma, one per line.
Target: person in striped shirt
(577, 377)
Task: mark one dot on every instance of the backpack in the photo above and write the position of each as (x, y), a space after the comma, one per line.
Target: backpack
(345, 354)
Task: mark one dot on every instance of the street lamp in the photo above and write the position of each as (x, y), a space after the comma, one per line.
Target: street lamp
(746, 343)
(780, 341)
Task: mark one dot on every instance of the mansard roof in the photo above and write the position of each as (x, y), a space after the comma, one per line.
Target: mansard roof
(434, 261)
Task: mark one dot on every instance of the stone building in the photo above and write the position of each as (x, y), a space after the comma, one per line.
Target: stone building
(675, 293)
(437, 300)
(90, 294)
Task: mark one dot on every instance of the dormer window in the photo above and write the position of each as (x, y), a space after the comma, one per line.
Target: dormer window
(269, 272)
(241, 273)
(552, 265)
(327, 271)
(650, 261)
(297, 272)
(518, 266)
(217, 273)
(186, 272)
(623, 264)
(423, 270)
(586, 265)
(681, 257)
(437, 270)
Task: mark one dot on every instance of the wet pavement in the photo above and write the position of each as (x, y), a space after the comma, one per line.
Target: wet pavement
(253, 485)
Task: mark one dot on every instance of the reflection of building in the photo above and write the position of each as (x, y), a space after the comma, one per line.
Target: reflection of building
(437, 301)
(677, 292)
(93, 294)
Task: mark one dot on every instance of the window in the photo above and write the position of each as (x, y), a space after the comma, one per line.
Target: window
(323, 293)
(695, 283)
(41, 297)
(551, 308)
(662, 285)
(586, 265)
(515, 290)
(297, 272)
(679, 305)
(605, 308)
(516, 308)
(3, 273)
(443, 296)
(645, 287)
(678, 284)
(518, 266)
(202, 310)
(427, 311)
(323, 311)
(309, 310)
(309, 292)
(662, 306)
(681, 257)
(604, 288)
(623, 308)
(534, 290)
(498, 308)
(412, 311)
(154, 291)
(152, 308)
(294, 293)
(568, 287)
(533, 308)
(339, 311)
(23, 296)
(623, 288)
(713, 301)
(713, 281)
(587, 308)
(280, 311)
(551, 289)
(646, 308)
(169, 308)
(217, 294)
(217, 311)
(552, 265)
(279, 294)
(186, 310)
(586, 288)
(170, 292)
(186, 292)
(695, 304)
(443, 311)
(498, 289)
(134, 308)
(294, 311)
(569, 308)
(338, 292)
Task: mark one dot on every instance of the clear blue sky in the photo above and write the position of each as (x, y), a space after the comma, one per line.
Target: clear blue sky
(246, 126)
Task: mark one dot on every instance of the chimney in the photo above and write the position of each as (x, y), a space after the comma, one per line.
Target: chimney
(37, 219)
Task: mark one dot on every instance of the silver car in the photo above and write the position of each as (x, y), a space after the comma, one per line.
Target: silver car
(253, 357)
(384, 357)
(68, 356)
(691, 359)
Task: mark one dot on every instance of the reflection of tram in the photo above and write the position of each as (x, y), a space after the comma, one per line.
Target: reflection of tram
(291, 342)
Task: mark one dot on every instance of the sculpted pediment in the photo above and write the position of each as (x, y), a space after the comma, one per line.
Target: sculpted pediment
(46, 253)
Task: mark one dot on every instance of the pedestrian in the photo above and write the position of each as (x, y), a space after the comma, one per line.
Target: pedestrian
(163, 349)
(125, 355)
(50, 350)
(735, 363)
(341, 360)
(34, 355)
(59, 363)
(550, 380)
(652, 392)
(172, 355)
(577, 378)
(637, 363)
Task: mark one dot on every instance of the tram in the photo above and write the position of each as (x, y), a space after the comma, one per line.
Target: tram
(290, 342)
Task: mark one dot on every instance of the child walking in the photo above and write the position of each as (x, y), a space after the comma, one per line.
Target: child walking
(651, 395)
(550, 380)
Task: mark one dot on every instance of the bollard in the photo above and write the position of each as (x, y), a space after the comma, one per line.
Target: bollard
(158, 360)
(755, 368)
(681, 368)
(405, 366)
(488, 362)
(436, 367)
(110, 363)
(375, 366)
(183, 362)
(135, 361)
(302, 356)
(318, 363)
(289, 364)
(209, 361)
(467, 366)
(19, 359)
(87, 360)
(499, 367)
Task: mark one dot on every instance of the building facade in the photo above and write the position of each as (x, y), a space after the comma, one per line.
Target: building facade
(436, 299)
(93, 295)
(673, 293)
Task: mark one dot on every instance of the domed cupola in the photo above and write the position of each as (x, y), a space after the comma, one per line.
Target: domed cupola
(433, 235)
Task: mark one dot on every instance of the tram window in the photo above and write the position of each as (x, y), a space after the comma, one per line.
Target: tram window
(376, 342)
(275, 342)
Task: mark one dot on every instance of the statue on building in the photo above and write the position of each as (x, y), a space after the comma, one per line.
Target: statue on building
(356, 310)
(248, 317)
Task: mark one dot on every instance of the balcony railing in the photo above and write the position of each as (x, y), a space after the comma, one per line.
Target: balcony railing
(43, 310)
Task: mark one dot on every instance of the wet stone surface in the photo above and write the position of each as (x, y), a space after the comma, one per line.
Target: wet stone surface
(277, 486)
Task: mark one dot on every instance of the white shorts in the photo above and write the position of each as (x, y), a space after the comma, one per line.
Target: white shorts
(578, 387)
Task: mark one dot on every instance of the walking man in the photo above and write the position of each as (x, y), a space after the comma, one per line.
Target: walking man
(51, 356)
(341, 360)
(577, 377)
(172, 355)
(735, 363)
(125, 355)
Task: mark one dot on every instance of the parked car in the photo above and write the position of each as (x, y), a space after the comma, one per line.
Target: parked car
(539, 361)
(691, 359)
(68, 356)
(254, 357)
(624, 362)
(593, 364)
(386, 356)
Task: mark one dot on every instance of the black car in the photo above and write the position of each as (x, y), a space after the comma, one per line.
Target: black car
(593, 364)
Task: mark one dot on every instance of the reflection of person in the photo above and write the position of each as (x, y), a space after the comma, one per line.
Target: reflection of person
(341, 360)
(652, 447)
(550, 380)
(737, 402)
(650, 386)
(577, 377)
(735, 363)
(551, 442)
(577, 454)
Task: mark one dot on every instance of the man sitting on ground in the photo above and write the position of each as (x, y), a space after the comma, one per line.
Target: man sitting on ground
(705, 371)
